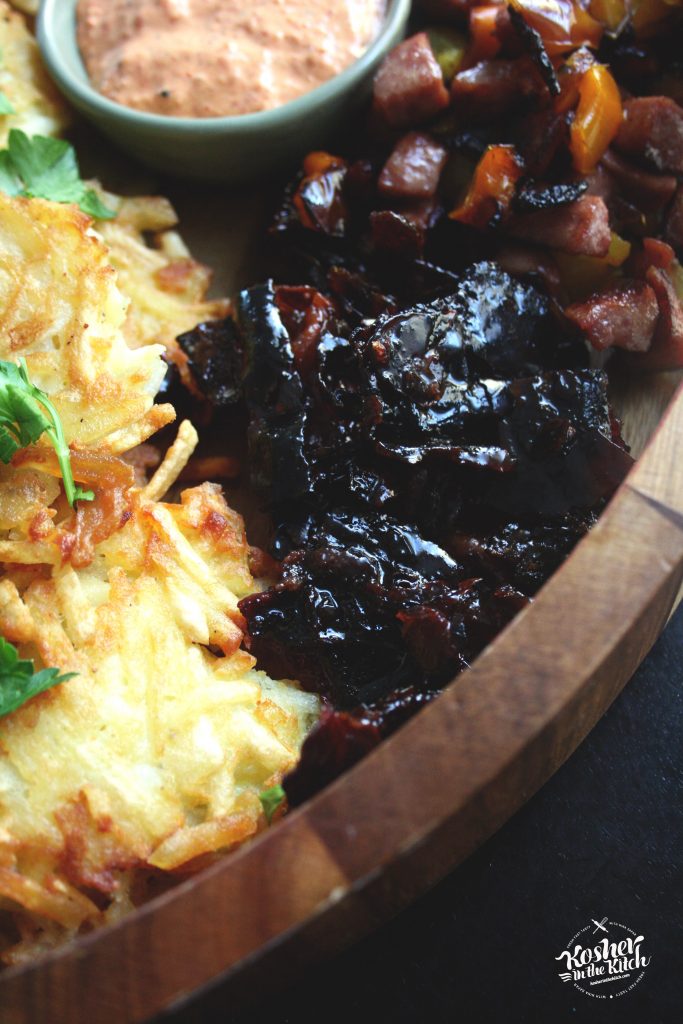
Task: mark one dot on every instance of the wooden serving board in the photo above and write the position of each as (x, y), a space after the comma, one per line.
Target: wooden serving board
(427, 797)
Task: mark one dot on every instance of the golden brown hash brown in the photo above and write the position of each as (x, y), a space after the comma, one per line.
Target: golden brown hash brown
(62, 308)
(38, 107)
(166, 286)
(153, 756)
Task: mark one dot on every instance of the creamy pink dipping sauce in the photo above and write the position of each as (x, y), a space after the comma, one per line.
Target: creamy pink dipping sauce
(211, 58)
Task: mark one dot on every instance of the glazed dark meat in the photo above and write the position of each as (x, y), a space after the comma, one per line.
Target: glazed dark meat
(425, 473)
(447, 404)
(215, 360)
(369, 606)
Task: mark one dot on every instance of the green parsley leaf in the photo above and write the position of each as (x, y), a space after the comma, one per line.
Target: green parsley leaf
(18, 680)
(9, 182)
(5, 105)
(26, 413)
(91, 203)
(45, 168)
(271, 800)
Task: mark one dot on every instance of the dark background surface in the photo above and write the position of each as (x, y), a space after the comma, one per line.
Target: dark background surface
(603, 838)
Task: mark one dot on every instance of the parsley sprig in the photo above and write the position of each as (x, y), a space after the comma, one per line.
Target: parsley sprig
(26, 413)
(43, 168)
(18, 680)
(271, 800)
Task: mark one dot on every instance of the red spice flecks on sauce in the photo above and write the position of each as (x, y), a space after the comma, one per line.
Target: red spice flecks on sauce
(210, 58)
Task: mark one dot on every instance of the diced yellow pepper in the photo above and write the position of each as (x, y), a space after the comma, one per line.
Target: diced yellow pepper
(597, 120)
(448, 47)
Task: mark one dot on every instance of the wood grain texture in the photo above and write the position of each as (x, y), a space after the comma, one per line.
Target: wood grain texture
(415, 807)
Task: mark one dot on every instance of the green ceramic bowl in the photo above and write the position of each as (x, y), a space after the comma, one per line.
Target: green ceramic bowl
(227, 149)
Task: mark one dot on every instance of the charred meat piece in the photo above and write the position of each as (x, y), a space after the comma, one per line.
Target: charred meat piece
(409, 86)
(275, 396)
(532, 195)
(395, 233)
(437, 447)
(490, 323)
(338, 741)
(370, 606)
(341, 738)
(541, 138)
(215, 359)
(525, 556)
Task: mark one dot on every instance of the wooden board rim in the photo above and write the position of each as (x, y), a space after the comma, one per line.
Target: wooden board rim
(381, 834)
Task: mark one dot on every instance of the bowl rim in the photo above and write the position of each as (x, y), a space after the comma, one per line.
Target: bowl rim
(86, 95)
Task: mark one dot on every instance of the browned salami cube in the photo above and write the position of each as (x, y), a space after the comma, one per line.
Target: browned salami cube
(409, 87)
(414, 167)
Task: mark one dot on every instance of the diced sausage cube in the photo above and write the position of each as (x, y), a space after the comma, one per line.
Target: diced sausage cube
(652, 130)
(666, 352)
(414, 168)
(491, 87)
(581, 227)
(623, 317)
(409, 87)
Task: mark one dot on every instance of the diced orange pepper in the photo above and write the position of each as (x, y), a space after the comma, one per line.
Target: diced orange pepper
(316, 166)
(597, 120)
(484, 40)
(609, 13)
(318, 162)
(586, 31)
(492, 187)
(552, 19)
(569, 77)
(561, 24)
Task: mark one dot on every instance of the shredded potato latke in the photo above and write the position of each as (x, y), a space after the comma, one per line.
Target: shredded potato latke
(61, 308)
(39, 109)
(152, 757)
(166, 286)
(154, 754)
